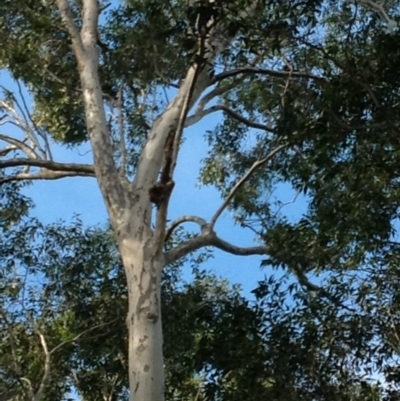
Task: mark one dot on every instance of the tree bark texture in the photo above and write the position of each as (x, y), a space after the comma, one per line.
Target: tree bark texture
(143, 267)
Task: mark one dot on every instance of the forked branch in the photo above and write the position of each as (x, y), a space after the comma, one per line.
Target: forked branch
(17, 144)
(200, 109)
(209, 238)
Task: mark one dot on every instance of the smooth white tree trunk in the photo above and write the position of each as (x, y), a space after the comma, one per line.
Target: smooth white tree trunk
(143, 267)
(129, 205)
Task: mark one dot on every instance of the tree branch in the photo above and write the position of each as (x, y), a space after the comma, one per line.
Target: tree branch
(172, 151)
(90, 18)
(184, 219)
(46, 373)
(121, 130)
(68, 19)
(42, 175)
(239, 184)
(30, 388)
(209, 238)
(5, 151)
(43, 135)
(49, 170)
(266, 71)
(237, 250)
(150, 162)
(86, 53)
(218, 91)
(20, 145)
(86, 169)
(243, 120)
(78, 336)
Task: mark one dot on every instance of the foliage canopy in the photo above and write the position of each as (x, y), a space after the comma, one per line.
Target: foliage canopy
(309, 96)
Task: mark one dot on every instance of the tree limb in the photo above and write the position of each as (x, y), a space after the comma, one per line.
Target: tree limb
(86, 54)
(86, 169)
(241, 119)
(150, 162)
(43, 175)
(46, 373)
(237, 250)
(20, 145)
(239, 184)
(266, 71)
(49, 170)
(68, 19)
(121, 130)
(172, 151)
(42, 134)
(184, 219)
(209, 238)
(200, 112)
(90, 17)
(5, 151)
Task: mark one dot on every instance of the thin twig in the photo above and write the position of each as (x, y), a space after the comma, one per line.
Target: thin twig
(57, 347)
(226, 109)
(28, 117)
(282, 205)
(239, 184)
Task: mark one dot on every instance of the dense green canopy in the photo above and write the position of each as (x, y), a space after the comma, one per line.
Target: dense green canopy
(318, 78)
(66, 283)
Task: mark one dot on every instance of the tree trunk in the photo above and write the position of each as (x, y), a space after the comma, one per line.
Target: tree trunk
(143, 266)
(128, 204)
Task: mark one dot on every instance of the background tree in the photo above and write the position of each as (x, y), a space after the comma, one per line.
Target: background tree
(314, 78)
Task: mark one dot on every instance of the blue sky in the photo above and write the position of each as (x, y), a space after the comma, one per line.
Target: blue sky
(62, 199)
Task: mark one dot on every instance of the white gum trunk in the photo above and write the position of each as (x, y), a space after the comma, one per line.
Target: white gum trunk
(128, 204)
(143, 266)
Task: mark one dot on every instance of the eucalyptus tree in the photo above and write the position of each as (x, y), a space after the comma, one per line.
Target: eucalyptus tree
(312, 77)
